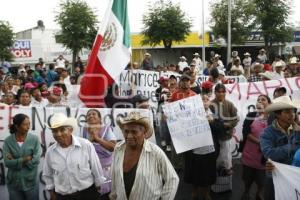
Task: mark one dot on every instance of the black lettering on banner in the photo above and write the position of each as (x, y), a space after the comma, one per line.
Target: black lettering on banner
(1, 154)
(251, 108)
(182, 107)
(297, 194)
(2, 174)
(109, 119)
(34, 115)
(149, 80)
(124, 78)
(155, 79)
(81, 120)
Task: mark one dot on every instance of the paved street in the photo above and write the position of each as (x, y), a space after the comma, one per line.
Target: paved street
(184, 190)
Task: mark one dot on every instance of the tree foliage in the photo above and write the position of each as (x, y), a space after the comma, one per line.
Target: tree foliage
(242, 18)
(165, 23)
(6, 40)
(268, 16)
(78, 25)
(272, 17)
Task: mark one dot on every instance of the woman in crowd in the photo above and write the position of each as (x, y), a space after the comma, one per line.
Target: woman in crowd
(104, 142)
(21, 153)
(23, 98)
(200, 163)
(252, 158)
(9, 98)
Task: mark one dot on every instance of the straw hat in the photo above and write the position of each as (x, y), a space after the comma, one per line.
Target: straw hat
(182, 57)
(136, 118)
(59, 119)
(293, 60)
(269, 75)
(196, 54)
(247, 54)
(281, 103)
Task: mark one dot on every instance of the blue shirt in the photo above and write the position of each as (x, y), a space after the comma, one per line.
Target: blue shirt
(296, 161)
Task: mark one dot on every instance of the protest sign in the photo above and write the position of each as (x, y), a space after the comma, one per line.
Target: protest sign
(187, 123)
(40, 116)
(286, 179)
(132, 82)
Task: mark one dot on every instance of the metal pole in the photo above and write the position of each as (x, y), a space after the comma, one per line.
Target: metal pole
(229, 33)
(203, 39)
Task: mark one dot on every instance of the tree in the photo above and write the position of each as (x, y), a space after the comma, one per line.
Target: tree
(272, 17)
(78, 26)
(165, 23)
(242, 19)
(6, 41)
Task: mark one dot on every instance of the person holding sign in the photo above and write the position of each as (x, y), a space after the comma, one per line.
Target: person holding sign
(140, 169)
(21, 153)
(281, 139)
(226, 112)
(200, 163)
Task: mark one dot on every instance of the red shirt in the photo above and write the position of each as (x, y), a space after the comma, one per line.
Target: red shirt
(181, 94)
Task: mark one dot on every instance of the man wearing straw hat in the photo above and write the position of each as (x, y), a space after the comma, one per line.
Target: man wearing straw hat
(281, 139)
(182, 63)
(140, 169)
(147, 63)
(247, 64)
(72, 169)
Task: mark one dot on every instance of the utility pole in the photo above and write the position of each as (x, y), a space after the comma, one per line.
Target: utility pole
(229, 33)
(203, 37)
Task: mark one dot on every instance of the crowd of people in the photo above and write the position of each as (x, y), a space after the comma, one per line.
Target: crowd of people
(96, 166)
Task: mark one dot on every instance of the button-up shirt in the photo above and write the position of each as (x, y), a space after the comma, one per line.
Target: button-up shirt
(155, 176)
(75, 172)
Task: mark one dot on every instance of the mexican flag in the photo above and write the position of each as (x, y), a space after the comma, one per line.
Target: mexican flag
(109, 56)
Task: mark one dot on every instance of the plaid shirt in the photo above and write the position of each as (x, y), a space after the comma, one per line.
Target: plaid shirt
(254, 78)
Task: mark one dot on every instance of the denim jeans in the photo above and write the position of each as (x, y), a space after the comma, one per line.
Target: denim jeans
(16, 194)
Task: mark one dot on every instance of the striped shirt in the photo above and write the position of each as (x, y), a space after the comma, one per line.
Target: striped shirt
(155, 176)
(77, 170)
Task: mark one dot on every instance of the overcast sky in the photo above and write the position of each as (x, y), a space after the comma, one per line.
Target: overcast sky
(25, 14)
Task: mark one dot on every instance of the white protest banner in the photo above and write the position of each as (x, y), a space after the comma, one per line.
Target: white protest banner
(286, 179)
(40, 116)
(187, 123)
(132, 82)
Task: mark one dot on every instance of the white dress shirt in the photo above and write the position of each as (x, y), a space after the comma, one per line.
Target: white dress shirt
(42, 103)
(155, 176)
(75, 172)
(182, 65)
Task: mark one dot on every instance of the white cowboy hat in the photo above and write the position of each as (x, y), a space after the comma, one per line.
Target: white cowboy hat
(247, 54)
(221, 72)
(217, 56)
(182, 57)
(234, 53)
(269, 75)
(196, 54)
(147, 54)
(261, 66)
(293, 60)
(278, 64)
(59, 119)
(59, 67)
(281, 103)
(262, 50)
(136, 118)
